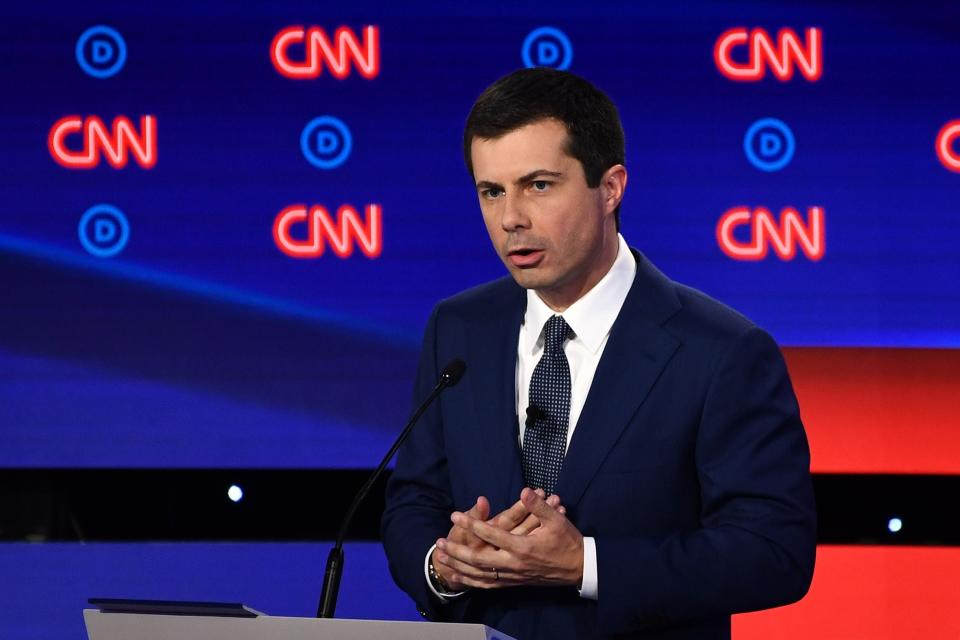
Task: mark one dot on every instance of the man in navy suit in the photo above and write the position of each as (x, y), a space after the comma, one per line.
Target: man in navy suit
(624, 455)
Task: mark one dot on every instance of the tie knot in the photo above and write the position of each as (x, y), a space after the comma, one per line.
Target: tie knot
(555, 331)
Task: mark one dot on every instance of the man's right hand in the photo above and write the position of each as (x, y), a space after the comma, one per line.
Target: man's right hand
(517, 520)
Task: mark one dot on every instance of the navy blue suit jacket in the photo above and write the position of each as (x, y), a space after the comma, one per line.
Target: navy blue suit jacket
(689, 465)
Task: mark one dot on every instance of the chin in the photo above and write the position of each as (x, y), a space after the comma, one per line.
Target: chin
(528, 279)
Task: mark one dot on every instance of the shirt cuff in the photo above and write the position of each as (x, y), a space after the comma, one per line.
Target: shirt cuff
(588, 587)
(444, 596)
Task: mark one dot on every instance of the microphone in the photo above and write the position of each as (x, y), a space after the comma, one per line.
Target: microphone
(450, 376)
(534, 413)
(451, 373)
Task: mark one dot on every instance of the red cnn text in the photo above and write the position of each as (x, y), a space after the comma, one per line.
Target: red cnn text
(780, 56)
(314, 49)
(317, 229)
(116, 144)
(765, 232)
(947, 150)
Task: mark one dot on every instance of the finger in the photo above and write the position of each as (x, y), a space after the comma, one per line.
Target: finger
(447, 575)
(465, 537)
(517, 514)
(461, 535)
(532, 522)
(537, 506)
(486, 584)
(509, 518)
(484, 557)
(525, 527)
(489, 533)
(493, 580)
(464, 569)
(481, 509)
(452, 579)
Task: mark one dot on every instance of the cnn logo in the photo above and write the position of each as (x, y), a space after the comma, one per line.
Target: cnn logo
(947, 149)
(314, 50)
(317, 229)
(116, 145)
(781, 55)
(765, 232)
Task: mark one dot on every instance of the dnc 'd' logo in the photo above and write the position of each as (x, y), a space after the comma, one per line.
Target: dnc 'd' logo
(769, 144)
(101, 51)
(301, 53)
(547, 47)
(103, 230)
(326, 142)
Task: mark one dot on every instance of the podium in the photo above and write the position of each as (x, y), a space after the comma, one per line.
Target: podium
(124, 626)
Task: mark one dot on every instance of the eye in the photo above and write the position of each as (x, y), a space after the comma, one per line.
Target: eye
(540, 185)
(492, 193)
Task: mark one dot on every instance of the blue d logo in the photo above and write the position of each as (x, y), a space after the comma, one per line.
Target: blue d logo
(769, 144)
(547, 53)
(101, 51)
(326, 142)
(103, 230)
(547, 47)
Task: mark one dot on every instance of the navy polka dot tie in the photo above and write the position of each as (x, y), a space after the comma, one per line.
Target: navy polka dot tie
(545, 439)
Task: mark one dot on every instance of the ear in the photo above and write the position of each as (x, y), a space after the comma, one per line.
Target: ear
(613, 184)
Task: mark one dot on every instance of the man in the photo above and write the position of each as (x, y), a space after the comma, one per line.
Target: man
(624, 455)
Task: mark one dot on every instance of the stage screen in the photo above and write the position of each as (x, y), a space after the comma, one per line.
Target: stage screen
(223, 231)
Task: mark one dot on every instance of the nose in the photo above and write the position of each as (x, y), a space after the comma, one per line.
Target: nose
(514, 213)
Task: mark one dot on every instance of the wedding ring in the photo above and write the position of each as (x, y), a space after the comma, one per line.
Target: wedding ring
(496, 574)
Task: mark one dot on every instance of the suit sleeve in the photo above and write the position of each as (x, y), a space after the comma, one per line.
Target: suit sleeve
(756, 544)
(418, 497)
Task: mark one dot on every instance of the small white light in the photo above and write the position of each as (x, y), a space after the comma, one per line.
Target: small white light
(895, 525)
(235, 493)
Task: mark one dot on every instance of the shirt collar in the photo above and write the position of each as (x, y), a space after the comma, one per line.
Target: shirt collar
(592, 316)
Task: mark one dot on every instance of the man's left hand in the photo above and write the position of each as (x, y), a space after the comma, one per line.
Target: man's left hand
(551, 555)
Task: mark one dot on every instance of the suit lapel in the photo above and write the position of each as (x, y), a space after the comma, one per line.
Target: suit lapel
(636, 353)
(493, 348)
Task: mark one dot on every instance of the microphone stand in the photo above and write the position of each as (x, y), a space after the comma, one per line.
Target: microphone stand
(331, 577)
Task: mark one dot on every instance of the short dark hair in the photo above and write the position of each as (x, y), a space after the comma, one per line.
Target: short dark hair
(594, 132)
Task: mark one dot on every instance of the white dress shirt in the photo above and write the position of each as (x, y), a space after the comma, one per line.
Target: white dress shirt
(591, 318)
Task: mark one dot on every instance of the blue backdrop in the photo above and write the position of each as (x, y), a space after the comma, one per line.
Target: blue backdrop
(192, 339)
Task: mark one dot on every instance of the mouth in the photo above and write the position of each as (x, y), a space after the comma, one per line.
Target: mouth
(525, 257)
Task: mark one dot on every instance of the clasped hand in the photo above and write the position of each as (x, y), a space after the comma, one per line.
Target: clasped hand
(531, 543)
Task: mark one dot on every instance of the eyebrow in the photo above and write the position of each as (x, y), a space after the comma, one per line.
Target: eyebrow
(533, 175)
